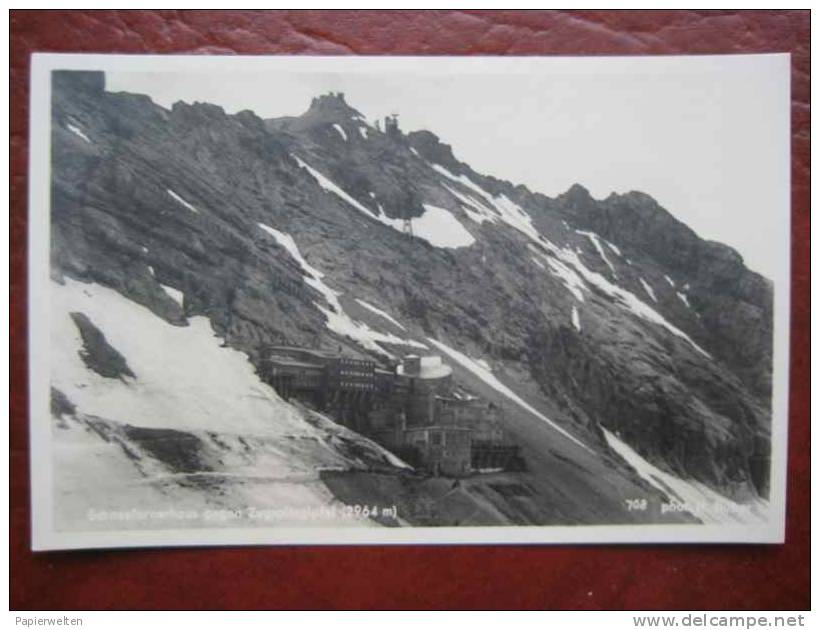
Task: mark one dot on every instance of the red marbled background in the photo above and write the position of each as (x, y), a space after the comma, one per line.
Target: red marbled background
(516, 576)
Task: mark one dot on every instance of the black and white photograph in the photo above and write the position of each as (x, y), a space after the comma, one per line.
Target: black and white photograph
(313, 300)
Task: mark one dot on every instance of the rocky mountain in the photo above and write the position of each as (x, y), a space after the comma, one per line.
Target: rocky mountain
(633, 358)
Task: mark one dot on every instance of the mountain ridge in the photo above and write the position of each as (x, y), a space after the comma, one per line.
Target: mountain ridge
(610, 313)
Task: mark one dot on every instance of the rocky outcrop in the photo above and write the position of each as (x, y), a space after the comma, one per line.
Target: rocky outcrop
(734, 304)
(97, 353)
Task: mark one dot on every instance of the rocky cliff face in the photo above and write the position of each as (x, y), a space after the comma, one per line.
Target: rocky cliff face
(608, 317)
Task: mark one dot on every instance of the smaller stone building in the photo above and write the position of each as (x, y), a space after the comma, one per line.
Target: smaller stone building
(444, 450)
(412, 409)
(425, 378)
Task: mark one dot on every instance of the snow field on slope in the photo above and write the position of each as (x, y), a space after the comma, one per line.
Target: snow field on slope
(93, 474)
(571, 280)
(490, 208)
(336, 319)
(631, 301)
(175, 294)
(184, 379)
(475, 210)
(482, 371)
(260, 446)
(625, 298)
(700, 500)
(437, 226)
(513, 215)
(593, 237)
(96, 487)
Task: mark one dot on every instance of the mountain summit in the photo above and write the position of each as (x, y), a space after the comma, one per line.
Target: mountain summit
(332, 105)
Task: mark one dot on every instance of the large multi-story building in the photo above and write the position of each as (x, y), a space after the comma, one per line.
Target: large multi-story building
(345, 387)
(412, 409)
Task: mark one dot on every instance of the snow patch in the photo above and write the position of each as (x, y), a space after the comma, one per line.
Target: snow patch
(395, 461)
(595, 239)
(648, 290)
(476, 211)
(362, 132)
(151, 270)
(703, 502)
(499, 208)
(313, 275)
(184, 379)
(512, 214)
(639, 308)
(437, 226)
(481, 371)
(484, 363)
(440, 228)
(336, 319)
(380, 313)
(464, 181)
(670, 281)
(571, 280)
(624, 297)
(341, 131)
(520, 220)
(683, 298)
(613, 247)
(78, 132)
(175, 294)
(179, 199)
(576, 320)
(329, 186)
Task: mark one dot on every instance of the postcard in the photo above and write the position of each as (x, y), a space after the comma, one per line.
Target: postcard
(379, 300)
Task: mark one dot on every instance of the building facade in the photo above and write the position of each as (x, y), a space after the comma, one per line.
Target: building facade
(443, 450)
(411, 409)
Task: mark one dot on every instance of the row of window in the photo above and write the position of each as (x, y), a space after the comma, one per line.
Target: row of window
(356, 385)
(356, 362)
(356, 373)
